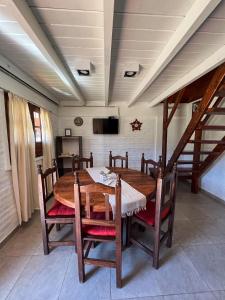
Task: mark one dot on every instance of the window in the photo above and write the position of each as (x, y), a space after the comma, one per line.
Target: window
(36, 121)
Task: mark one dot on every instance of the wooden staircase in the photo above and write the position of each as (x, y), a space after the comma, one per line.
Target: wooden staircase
(193, 163)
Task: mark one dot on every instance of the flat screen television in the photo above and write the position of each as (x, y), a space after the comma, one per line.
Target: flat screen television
(106, 126)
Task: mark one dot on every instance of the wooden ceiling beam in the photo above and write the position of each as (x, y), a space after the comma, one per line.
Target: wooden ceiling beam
(197, 14)
(108, 29)
(31, 26)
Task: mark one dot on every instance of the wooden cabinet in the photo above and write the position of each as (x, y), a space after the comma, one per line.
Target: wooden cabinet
(66, 147)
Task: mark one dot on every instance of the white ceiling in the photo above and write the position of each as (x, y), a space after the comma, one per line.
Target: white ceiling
(168, 39)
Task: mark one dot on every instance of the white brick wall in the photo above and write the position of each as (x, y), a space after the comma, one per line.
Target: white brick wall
(148, 140)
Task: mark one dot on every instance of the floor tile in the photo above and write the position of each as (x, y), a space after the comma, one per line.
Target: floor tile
(148, 298)
(176, 275)
(10, 270)
(209, 261)
(195, 296)
(97, 285)
(24, 243)
(41, 279)
(219, 295)
(192, 211)
(185, 233)
(212, 229)
(193, 266)
(214, 210)
(207, 231)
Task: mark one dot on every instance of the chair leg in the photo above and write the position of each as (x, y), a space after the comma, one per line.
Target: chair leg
(118, 264)
(156, 255)
(122, 233)
(45, 237)
(169, 240)
(170, 229)
(57, 227)
(80, 256)
(156, 246)
(75, 239)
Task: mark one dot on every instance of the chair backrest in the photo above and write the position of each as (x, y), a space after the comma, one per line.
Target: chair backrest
(165, 192)
(90, 198)
(150, 166)
(54, 164)
(79, 162)
(122, 159)
(46, 181)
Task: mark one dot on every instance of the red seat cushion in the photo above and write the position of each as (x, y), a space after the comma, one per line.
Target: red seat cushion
(60, 210)
(148, 215)
(99, 230)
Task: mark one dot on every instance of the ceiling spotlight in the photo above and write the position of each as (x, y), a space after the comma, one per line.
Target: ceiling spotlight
(131, 69)
(130, 73)
(83, 72)
(83, 67)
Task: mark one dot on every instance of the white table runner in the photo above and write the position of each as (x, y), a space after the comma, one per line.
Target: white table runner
(131, 200)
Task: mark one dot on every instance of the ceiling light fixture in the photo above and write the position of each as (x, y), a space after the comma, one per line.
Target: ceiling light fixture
(83, 72)
(131, 69)
(83, 67)
(130, 73)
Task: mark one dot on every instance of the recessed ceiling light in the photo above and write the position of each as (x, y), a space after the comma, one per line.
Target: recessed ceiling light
(83, 72)
(130, 73)
(131, 69)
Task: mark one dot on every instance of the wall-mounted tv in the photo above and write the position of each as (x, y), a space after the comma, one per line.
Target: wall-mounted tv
(106, 126)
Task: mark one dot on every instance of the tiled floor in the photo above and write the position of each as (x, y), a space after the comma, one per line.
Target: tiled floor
(194, 269)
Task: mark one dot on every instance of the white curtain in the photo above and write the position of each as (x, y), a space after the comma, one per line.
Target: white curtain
(47, 139)
(22, 148)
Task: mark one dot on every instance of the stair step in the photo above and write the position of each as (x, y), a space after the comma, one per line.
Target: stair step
(216, 111)
(188, 162)
(207, 142)
(213, 127)
(184, 170)
(201, 152)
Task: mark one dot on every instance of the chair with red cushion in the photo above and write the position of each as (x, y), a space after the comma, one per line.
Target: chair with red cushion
(158, 212)
(57, 214)
(94, 227)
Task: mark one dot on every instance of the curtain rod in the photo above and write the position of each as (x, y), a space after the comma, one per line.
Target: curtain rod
(25, 84)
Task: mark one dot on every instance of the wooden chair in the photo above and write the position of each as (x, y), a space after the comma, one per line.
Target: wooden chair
(113, 159)
(149, 166)
(57, 214)
(157, 213)
(94, 227)
(77, 162)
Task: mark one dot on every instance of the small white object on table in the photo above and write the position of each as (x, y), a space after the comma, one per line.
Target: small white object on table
(132, 200)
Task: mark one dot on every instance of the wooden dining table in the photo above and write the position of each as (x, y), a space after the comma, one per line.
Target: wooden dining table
(64, 187)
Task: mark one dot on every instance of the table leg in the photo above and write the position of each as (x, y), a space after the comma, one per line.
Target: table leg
(128, 230)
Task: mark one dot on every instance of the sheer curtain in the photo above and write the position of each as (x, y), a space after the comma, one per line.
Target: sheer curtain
(22, 148)
(47, 139)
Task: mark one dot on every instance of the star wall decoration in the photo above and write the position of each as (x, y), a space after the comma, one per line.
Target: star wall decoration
(136, 125)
